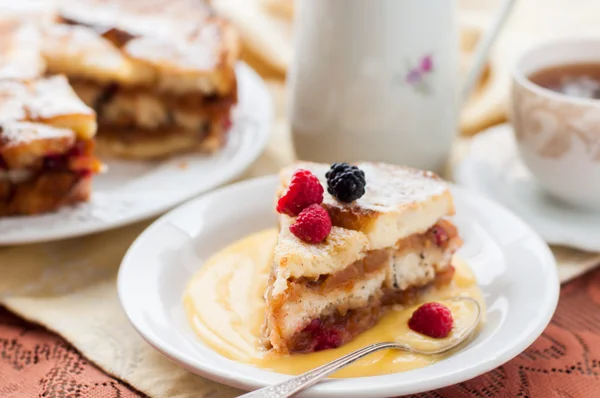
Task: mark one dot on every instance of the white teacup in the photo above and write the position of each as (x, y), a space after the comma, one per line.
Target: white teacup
(558, 135)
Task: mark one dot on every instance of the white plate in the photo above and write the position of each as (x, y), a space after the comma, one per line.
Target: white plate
(514, 267)
(132, 191)
(492, 167)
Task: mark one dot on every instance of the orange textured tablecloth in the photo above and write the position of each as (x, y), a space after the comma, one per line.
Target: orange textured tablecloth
(563, 363)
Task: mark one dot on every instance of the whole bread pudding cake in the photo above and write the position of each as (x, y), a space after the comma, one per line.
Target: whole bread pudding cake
(388, 241)
(160, 74)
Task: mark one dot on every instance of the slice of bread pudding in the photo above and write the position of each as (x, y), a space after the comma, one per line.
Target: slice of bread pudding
(385, 248)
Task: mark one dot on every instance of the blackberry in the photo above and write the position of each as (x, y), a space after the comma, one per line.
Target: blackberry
(345, 182)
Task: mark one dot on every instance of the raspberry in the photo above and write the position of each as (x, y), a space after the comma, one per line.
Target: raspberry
(312, 225)
(323, 336)
(304, 190)
(432, 319)
(345, 182)
(328, 338)
(313, 326)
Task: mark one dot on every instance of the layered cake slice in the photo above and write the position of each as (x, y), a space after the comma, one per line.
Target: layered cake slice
(46, 146)
(389, 241)
(160, 74)
(46, 132)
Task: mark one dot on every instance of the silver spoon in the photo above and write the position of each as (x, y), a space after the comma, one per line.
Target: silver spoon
(296, 384)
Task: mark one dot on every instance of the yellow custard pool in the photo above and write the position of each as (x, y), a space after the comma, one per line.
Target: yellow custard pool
(224, 304)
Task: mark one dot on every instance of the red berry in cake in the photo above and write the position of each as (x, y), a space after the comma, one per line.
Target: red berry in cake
(321, 336)
(313, 326)
(327, 339)
(227, 123)
(440, 236)
(432, 319)
(304, 190)
(312, 225)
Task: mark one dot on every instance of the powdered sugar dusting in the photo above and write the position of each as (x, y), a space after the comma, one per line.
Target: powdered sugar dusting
(12, 97)
(388, 188)
(20, 56)
(83, 43)
(54, 97)
(15, 133)
(180, 34)
(39, 99)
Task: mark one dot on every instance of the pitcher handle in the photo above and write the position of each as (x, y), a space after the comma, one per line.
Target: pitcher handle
(483, 48)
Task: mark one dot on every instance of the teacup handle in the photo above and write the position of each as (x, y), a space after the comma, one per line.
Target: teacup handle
(483, 48)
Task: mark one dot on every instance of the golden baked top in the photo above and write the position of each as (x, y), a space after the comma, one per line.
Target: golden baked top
(398, 201)
(176, 46)
(294, 258)
(23, 144)
(49, 101)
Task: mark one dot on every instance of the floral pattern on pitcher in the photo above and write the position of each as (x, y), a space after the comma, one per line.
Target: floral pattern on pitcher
(417, 76)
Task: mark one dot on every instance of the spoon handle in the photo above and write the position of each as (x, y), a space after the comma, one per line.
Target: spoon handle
(296, 384)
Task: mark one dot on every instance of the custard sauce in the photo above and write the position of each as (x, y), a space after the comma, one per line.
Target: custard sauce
(224, 304)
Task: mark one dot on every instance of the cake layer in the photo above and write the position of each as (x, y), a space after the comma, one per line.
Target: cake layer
(295, 259)
(339, 324)
(49, 101)
(419, 257)
(56, 149)
(373, 261)
(148, 109)
(414, 262)
(289, 314)
(24, 144)
(143, 144)
(46, 192)
(58, 172)
(398, 201)
(336, 258)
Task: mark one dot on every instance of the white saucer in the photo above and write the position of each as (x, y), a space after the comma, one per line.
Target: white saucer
(514, 267)
(132, 191)
(493, 168)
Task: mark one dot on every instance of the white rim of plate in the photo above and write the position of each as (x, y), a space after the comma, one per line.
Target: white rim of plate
(257, 96)
(379, 385)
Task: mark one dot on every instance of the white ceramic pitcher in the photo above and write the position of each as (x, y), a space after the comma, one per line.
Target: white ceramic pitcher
(375, 80)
